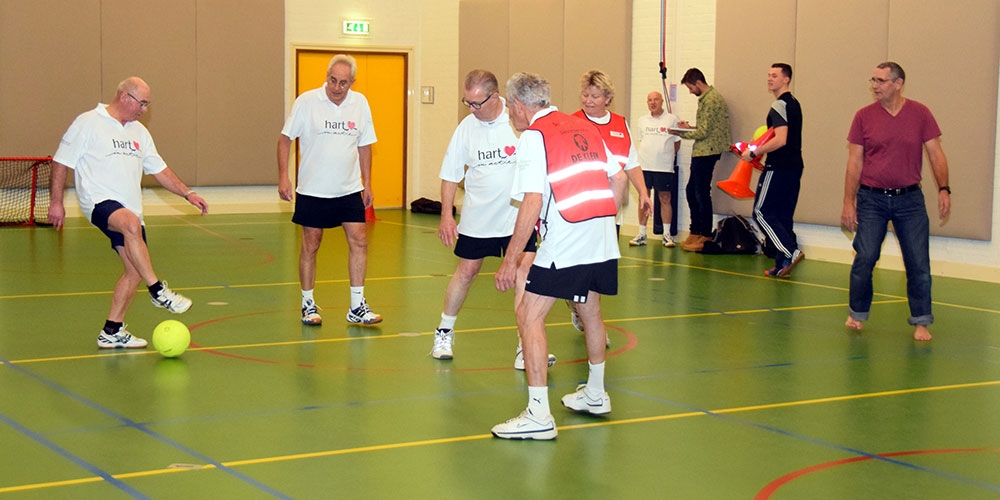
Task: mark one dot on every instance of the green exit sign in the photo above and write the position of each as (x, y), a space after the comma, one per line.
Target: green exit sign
(354, 27)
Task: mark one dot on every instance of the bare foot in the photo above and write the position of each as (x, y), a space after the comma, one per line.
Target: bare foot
(921, 333)
(855, 324)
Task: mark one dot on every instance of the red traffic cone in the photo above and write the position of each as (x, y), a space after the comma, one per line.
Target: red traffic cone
(370, 214)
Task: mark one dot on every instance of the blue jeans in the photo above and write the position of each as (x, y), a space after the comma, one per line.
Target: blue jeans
(908, 215)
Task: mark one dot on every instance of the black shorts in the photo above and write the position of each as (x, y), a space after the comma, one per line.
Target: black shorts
(574, 283)
(660, 181)
(472, 248)
(99, 218)
(325, 213)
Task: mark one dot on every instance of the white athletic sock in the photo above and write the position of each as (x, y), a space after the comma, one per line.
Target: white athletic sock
(595, 381)
(447, 322)
(642, 230)
(538, 401)
(357, 295)
(307, 295)
(666, 229)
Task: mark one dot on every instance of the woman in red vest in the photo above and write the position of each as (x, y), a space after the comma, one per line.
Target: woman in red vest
(596, 94)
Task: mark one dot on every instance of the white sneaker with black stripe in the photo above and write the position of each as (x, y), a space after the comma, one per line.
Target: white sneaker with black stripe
(519, 359)
(443, 338)
(527, 426)
(120, 339)
(170, 300)
(582, 402)
(363, 315)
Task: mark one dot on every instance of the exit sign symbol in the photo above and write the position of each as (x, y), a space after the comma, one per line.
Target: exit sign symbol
(353, 27)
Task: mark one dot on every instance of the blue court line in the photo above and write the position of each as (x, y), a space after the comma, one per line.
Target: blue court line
(141, 428)
(813, 440)
(93, 469)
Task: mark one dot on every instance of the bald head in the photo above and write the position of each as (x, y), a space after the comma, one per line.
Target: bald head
(131, 100)
(654, 101)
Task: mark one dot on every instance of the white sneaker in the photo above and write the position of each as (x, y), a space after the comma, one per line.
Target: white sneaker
(582, 402)
(668, 241)
(638, 241)
(575, 316)
(120, 339)
(443, 338)
(363, 315)
(310, 313)
(527, 426)
(171, 301)
(519, 359)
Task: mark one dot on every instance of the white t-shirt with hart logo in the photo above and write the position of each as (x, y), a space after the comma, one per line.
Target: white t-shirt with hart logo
(656, 144)
(330, 137)
(488, 149)
(108, 159)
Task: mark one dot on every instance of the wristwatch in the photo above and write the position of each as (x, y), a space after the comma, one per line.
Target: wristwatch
(945, 188)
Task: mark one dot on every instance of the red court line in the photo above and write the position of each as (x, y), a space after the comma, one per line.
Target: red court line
(773, 486)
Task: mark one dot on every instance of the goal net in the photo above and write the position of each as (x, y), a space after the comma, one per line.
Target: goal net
(24, 191)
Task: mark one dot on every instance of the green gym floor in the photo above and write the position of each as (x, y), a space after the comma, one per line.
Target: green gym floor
(726, 384)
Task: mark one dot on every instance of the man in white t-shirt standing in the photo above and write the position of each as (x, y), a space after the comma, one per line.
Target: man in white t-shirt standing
(334, 180)
(657, 151)
(485, 142)
(568, 181)
(109, 150)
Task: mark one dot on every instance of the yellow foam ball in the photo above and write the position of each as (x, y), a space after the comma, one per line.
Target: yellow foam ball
(171, 338)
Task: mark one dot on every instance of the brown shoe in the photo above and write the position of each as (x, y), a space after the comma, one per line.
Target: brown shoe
(687, 240)
(696, 245)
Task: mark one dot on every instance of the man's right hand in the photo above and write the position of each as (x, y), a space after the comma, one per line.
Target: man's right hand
(285, 189)
(448, 230)
(57, 214)
(849, 217)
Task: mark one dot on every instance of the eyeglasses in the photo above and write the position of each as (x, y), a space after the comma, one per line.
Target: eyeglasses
(881, 81)
(143, 104)
(477, 105)
(339, 83)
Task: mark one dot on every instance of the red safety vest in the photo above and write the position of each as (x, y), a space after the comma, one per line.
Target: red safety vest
(576, 162)
(615, 135)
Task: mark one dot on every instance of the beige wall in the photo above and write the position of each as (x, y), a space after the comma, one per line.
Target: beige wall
(833, 51)
(215, 78)
(559, 40)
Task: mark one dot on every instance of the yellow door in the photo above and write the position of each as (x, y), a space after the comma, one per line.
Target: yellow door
(381, 77)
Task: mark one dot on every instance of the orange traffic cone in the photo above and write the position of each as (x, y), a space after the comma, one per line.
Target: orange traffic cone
(738, 184)
(370, 214)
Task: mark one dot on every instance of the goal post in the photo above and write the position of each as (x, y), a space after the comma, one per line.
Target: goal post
(24, 190)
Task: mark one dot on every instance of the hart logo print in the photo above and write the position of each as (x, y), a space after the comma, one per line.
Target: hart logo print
(509, 150)
(340, 128)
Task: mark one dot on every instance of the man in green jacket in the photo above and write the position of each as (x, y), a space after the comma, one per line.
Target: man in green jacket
(711, 139)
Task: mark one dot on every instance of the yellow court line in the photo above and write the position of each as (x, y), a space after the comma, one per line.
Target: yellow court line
(478, 437)
(470, 330)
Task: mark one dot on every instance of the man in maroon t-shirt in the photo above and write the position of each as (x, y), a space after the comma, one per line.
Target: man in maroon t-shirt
(885, 157)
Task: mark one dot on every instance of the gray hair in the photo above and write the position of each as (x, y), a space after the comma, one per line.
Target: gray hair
(483, 79)
(528, 89)
(344, 59)
(895, 70)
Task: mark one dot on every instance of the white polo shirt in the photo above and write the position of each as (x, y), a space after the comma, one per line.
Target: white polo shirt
(331, 135)
(108, 159)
